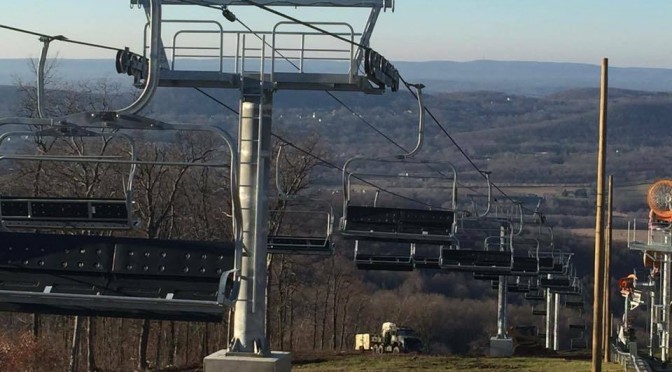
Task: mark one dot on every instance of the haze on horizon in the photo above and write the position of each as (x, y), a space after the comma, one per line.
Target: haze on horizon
(629, 33)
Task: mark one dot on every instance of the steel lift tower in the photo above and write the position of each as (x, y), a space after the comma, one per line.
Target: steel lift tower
(287, 56)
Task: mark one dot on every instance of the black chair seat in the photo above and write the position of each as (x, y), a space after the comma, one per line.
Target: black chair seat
(555, 282)
(475, 260)
(574, 304)
(398, 225)
(64, 212)
(525, 266)
(486, 276)
(110, 276)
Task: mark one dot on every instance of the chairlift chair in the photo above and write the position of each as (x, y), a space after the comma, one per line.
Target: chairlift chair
(513, 285)
(118, 277)
(493, 256)
(573, 287)
(535, 296)
(538, 312)
(579, 340)
(394, 224)
(579, 343)
(554, 262)
(476, 261)
(112, 276)
(526, 257)
(317, 241)
(574, 305)
(67, 212)
(372, 225)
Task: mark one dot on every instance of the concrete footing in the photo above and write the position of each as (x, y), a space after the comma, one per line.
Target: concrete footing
(223, 361)
(501, 347)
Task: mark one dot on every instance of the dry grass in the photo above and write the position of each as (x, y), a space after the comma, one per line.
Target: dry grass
(445, 363)
(24, 353)
(617, 235)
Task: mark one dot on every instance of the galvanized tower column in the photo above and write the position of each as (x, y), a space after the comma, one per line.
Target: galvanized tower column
(549, 314)
(556, 321)
(652, 323)
(501, 344)
(249, 331)
(502, 303)
(665, 301)
(502, 290)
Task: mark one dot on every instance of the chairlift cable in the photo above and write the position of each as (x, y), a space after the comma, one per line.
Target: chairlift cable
(459, 148)
(213, 6)
(59, 38)
(443, 129)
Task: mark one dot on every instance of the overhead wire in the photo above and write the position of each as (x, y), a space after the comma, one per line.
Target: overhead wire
(330, 164)
(320, 159)
(59, 38)
(319, 29)
(288, 60)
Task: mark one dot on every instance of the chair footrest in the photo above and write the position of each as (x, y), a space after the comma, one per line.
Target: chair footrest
(113, 306)
(384, 263)
(426, 263)
(299, 245)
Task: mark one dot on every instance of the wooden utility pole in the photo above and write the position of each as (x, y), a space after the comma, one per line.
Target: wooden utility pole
(606, 317)
(598, 288)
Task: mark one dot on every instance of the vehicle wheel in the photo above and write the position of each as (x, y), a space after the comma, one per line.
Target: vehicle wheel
(396, 350)
(379, 349)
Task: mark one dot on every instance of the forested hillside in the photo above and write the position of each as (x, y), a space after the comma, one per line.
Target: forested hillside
(543, 145)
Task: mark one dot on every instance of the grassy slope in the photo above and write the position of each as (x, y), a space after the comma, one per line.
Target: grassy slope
(440, 363)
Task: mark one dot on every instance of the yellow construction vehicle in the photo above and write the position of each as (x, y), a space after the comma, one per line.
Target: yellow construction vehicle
(392, 339)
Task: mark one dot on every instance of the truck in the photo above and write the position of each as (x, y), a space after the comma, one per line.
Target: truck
(392, 339)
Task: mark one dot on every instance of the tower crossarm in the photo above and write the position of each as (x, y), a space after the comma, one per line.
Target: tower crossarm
(384, 4)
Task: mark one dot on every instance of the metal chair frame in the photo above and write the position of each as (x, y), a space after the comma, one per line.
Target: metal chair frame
(309, 244)
(142, 304)
(65, 212)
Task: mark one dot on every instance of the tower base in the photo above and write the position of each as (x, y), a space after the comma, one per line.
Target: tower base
(223, 361)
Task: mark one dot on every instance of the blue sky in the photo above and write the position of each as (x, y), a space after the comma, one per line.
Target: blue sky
(629, 33)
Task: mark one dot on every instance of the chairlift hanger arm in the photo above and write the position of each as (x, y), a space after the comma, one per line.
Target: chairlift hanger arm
(487, 180)
(154, 16)
(421, 122)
